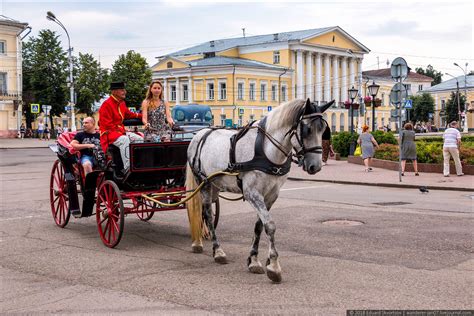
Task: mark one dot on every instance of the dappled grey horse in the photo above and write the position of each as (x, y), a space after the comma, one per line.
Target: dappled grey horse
(261, 155)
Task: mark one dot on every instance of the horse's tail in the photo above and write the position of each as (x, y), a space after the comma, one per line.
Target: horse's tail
(194, 207)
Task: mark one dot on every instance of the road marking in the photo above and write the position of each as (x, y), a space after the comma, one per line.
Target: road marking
(17, 218)
(312, 187)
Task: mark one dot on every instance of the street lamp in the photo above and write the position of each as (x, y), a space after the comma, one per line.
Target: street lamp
(457, 94)
(373, 90)
(352, 95)
(50, 16)
(465, 90)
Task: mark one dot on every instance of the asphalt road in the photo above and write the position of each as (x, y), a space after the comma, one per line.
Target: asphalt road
(410, 251)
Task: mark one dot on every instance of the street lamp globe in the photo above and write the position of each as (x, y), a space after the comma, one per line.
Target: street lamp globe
(353, 92)
(373, 90)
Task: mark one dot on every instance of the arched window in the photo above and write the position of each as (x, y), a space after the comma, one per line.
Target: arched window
(341, 122)
(333, 122)
(169, 64)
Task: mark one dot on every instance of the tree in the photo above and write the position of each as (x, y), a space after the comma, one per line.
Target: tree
(452, 107)
(133, 69)
(91, 82)
(431, 72)
(45, 72)
(423, 106)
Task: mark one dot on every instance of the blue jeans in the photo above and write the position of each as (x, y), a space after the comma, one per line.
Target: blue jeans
(90, 159)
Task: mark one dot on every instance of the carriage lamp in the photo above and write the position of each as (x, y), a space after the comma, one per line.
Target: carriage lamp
(50, 16)
(352, 95)
(373, 90)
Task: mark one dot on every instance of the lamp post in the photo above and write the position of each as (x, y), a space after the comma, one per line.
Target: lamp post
(465, 92)
(373, 90)
(457, 97)
(50, 16)
(353, 92)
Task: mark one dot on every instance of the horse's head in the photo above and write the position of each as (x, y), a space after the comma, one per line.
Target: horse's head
(309, 131)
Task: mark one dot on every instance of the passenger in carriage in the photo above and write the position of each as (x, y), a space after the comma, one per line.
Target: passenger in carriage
(85, 142)
(156, 114)
(112, 131)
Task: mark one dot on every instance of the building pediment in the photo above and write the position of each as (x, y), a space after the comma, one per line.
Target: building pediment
(335, 37)
(169, 63)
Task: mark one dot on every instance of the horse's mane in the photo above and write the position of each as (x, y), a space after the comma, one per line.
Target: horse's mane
(286, 114)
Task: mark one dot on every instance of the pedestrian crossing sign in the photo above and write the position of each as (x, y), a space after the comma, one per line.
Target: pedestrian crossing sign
(35, 108)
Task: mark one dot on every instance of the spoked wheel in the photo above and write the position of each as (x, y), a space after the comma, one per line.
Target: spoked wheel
(58, 195)
(109, 213)
(144, 205)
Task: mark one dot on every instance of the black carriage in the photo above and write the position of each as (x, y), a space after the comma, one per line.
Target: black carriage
(156, 182)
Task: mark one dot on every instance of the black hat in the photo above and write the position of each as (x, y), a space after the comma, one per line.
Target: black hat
(117, 85)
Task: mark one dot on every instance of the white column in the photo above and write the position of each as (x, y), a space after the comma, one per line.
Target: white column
(190, 90)
(178, 91)
(299, 75)
(293, 76)
(327, 79)
(361, 96)
(351, 73)
(309, 76)
(344, 79)
(335, 79)
(319, 78)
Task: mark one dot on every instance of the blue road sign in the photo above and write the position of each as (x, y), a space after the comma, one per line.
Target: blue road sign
(408, 104)
(67, 108)
(35, 108)
(228, 122)
(269, 108)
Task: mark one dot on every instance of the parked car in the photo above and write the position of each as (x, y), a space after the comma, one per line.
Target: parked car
(191, 118)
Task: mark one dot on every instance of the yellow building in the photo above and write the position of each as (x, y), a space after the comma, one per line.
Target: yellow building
(10, 75)
(442, 93)
(244, 78)
(416, 84)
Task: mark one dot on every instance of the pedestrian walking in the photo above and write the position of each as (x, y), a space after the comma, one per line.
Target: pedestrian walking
(327, 146)
(47, 132)
(367, 143)
(59, 130)
(451, 145)
(22, 131)
(40, 130)
(408, 148)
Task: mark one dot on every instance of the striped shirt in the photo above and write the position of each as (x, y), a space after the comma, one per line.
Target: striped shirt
(451, 135)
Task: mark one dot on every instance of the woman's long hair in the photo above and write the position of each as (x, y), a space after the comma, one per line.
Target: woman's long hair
(149, 94)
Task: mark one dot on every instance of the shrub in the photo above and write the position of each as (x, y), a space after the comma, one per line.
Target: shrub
(341, 142)
(387, 152)
(384, 137)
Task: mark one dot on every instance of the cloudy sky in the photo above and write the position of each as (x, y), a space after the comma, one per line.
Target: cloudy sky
(436, 33)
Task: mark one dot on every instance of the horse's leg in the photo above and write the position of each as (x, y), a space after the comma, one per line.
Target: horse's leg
(218, 253)
(273, 266)
(253, 264)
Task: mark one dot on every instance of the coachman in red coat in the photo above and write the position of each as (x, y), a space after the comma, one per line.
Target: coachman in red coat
(111, 115)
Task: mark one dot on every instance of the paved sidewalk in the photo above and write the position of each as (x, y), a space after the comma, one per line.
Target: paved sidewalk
(335, 171)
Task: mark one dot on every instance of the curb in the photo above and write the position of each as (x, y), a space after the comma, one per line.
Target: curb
(388, 185)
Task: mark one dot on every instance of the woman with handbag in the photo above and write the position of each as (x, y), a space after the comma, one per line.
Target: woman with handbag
(367, 143)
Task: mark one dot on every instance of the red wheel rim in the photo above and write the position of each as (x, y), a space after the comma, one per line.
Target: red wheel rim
(143, 206)
(109, 214)
(58, 195)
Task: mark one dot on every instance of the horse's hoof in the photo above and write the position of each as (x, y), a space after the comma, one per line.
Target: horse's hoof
(197, 249)
(256, 269)
(219, 256)
(274, 276)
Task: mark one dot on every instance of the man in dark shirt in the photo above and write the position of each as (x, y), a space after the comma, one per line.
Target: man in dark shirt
(85, 142)
(327, 147)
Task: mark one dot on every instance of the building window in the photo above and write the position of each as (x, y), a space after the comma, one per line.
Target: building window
(263, 92)
(420, 87)
(252, 92)
(341, 122)
(276, 57)
(333, 122)
(274, 92)
(283, 93)
(222, 91)
(210, 91)
(173, 92)
(443, 104)
(169, 64)
(240, 91)
(222, 119)
(3, 47)
(185, 92)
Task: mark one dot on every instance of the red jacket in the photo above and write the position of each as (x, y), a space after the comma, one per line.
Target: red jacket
(111, 116)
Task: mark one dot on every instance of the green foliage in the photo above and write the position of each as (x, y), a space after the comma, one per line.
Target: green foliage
(341, 142)
(133, 69)
(431, 72)
(91, 82)
(429, 152)
(384, 137)
(387, 152)
(452, 106)
(423, 106)
(45, 72)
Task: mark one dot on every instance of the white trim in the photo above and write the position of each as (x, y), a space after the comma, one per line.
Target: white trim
(326, 50)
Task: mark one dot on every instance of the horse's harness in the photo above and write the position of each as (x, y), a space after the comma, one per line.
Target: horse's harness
(260, 161)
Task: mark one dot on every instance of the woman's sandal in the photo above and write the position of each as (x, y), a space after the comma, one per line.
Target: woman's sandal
(417, 174)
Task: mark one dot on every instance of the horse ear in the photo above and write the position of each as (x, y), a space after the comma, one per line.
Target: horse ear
(308, 108)
(325, 107)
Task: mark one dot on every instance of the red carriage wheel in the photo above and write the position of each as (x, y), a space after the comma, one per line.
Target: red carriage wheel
(143, 206)
(109, 213)
(58, 195)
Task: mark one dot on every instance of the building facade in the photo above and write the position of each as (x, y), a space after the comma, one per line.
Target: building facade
(244, 78)
(10, 75)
